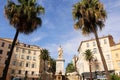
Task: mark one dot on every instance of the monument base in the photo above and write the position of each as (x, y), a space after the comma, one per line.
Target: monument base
(60, 66)
(60, 77)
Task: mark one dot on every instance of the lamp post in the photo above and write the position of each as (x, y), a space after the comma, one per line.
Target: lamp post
(26, 75)
(95, 74)
(75, 61)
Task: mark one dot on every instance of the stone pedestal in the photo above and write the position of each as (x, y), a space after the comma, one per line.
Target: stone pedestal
(60, 76)
(60, 66)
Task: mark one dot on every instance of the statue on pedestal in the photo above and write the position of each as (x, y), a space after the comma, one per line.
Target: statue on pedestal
(60, 52)
(60, 63)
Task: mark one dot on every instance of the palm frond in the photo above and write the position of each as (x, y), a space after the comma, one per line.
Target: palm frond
(92, 13)
(24, 15)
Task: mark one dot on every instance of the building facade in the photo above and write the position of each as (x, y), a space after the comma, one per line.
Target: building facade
(82, 65)
(5, 45)
(25, 59)
(115, 50)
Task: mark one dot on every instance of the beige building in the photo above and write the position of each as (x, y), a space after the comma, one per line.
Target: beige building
(5, 45)
(115, 50)
(73, 76)
(25, 59)
(83, 66)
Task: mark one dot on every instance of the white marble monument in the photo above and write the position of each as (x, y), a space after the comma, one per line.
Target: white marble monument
(60, 62)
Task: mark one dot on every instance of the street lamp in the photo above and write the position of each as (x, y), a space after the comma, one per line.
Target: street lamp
(75, 61)
(95, 74)
(83, 76)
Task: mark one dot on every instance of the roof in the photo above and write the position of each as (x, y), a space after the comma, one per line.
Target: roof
(22, 44)
(109, 36)
(6, 39)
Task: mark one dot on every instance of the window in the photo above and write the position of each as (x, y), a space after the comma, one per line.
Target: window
(29, 46)
(15, 56)
(21, 63)
(26, 72)
(34, 58)
(12, 71)
(107, 56)
(118, 64)
(29, 51)
(8, 52)
(17, 49)
(87, 44)
(34, 52)
(9, 46)
(14, 63)
(32, 72)
(109, 66)
(23, 50)
(27, 64)
(117, 55)
(2, 44)
(105, 42)
(97, 66)
(1, 51)
(28, 58)
(24, 45)
(93, 43)
(19, 72)
(95, 50)
(22, 56)
(33, 65)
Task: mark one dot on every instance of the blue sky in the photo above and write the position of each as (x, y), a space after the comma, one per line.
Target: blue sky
(57, 28)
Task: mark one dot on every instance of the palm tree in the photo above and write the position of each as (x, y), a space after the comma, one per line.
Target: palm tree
(23, 16)
(89, 57)
(89, 16)
(45, 57)
(52, 67)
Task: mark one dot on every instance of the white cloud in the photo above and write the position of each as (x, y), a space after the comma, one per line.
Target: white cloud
(112, 5)
(48, 24)
(71, 45)
(32, 38)
(36, 39)
(115, 4)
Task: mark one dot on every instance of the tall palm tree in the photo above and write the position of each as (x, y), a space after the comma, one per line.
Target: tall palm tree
(45, 57)
(89, 57)
(89, 16)
(52, 67)
(23, 15)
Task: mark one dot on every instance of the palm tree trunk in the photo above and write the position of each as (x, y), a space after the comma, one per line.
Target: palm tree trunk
(90, 70)
(7, 62)
(101, 54)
